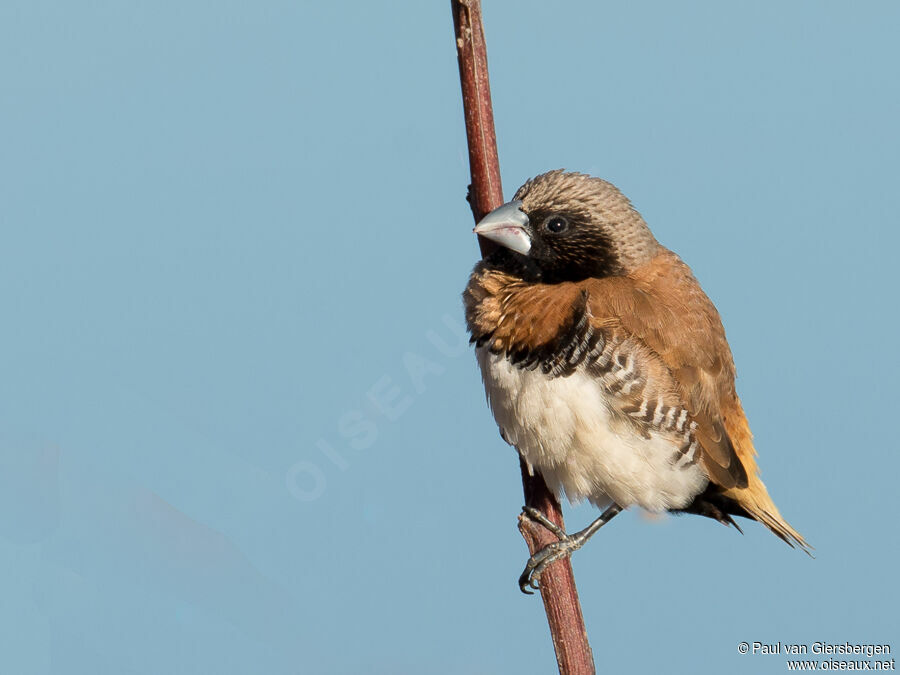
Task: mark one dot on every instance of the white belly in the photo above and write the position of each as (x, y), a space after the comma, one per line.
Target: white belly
(565, 428)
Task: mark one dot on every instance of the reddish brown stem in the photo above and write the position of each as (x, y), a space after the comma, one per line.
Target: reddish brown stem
(485, 191)
(573, 652)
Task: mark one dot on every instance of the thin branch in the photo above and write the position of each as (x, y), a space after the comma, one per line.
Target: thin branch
(573, 652)
(485, 191)
(558, 591)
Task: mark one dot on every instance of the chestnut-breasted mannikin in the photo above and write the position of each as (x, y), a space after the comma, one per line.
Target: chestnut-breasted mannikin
(606, 365)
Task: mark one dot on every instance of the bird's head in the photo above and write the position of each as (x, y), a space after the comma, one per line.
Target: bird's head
(569, 226)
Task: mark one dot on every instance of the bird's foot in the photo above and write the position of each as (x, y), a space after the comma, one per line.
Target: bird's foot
(567, 544)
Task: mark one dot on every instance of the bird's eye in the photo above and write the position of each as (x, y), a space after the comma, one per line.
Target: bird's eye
(556, 224)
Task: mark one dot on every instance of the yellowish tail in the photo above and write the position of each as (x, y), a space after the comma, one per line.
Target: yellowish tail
(754, 498)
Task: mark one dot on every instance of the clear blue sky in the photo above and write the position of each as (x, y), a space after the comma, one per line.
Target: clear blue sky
(239, 432)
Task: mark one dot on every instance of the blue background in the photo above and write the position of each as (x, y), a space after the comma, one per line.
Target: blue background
(240, 429)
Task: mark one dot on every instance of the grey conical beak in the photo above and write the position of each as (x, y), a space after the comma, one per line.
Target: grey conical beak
(508, 226)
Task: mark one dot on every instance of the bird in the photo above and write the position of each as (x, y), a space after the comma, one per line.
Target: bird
(606, 365)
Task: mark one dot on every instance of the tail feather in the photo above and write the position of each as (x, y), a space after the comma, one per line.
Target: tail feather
(754, 498)
(769, 516)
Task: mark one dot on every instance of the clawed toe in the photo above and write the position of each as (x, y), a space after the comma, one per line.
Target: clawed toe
(531, 575)
(534, 568)
(567, 544)
(526, 582)
(538, 517)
